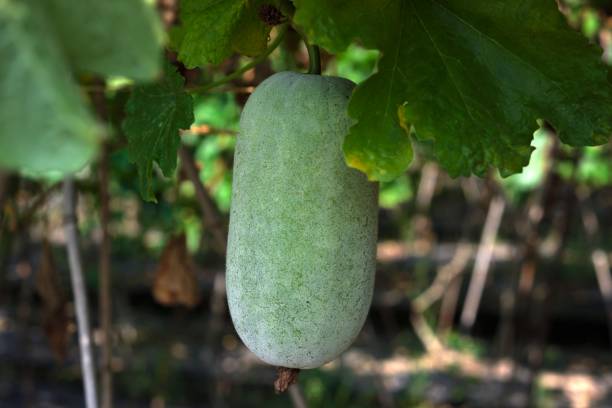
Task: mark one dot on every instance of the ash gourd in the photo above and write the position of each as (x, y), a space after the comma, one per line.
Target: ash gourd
(302, 236)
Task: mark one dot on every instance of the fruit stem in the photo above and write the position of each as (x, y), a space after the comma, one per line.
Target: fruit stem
(273, 45)
(314, 59)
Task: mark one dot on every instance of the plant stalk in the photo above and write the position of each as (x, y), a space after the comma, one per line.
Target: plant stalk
(236, 74)
(105, 304)
(80, 295)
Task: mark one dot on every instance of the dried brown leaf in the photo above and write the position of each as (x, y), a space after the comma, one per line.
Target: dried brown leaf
(175, 281)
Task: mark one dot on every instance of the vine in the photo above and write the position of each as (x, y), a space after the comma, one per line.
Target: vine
(236, 74)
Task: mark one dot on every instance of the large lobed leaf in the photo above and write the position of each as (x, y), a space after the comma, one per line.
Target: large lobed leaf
(110, 37)
(44, 125)
(155, 113)
(211, 30)
(474, 77)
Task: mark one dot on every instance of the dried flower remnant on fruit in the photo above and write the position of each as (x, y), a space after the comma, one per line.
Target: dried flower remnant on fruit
(285, 377)
(175, 281)
(271, 15)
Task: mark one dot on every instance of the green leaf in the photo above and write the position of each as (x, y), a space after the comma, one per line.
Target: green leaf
(110, 37)
(155, 113)
(335, 24)
(250, 35)
(212, 29)
(44, 124)
(473, 77)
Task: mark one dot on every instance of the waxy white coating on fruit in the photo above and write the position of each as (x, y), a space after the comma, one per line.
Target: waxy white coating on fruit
(302, 240)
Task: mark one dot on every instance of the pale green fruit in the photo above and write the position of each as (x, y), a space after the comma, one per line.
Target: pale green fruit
(302, 240)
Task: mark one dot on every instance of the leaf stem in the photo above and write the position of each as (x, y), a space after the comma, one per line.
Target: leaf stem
(314, 59)
(314, 55)
(277, 41)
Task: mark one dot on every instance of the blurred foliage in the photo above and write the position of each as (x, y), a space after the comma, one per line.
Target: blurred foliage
(414, 394)
(214, 152)
(323, 389)
(218, 110)
(592, 18)
(466, 344)
(45, 45)
(531, 177)
(393, 193)
(595, 168)
(355, 63)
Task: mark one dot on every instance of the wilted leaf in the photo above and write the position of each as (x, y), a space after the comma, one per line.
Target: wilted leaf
(47, 281)
(56, 325)
(55, 319)
(175, 281)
